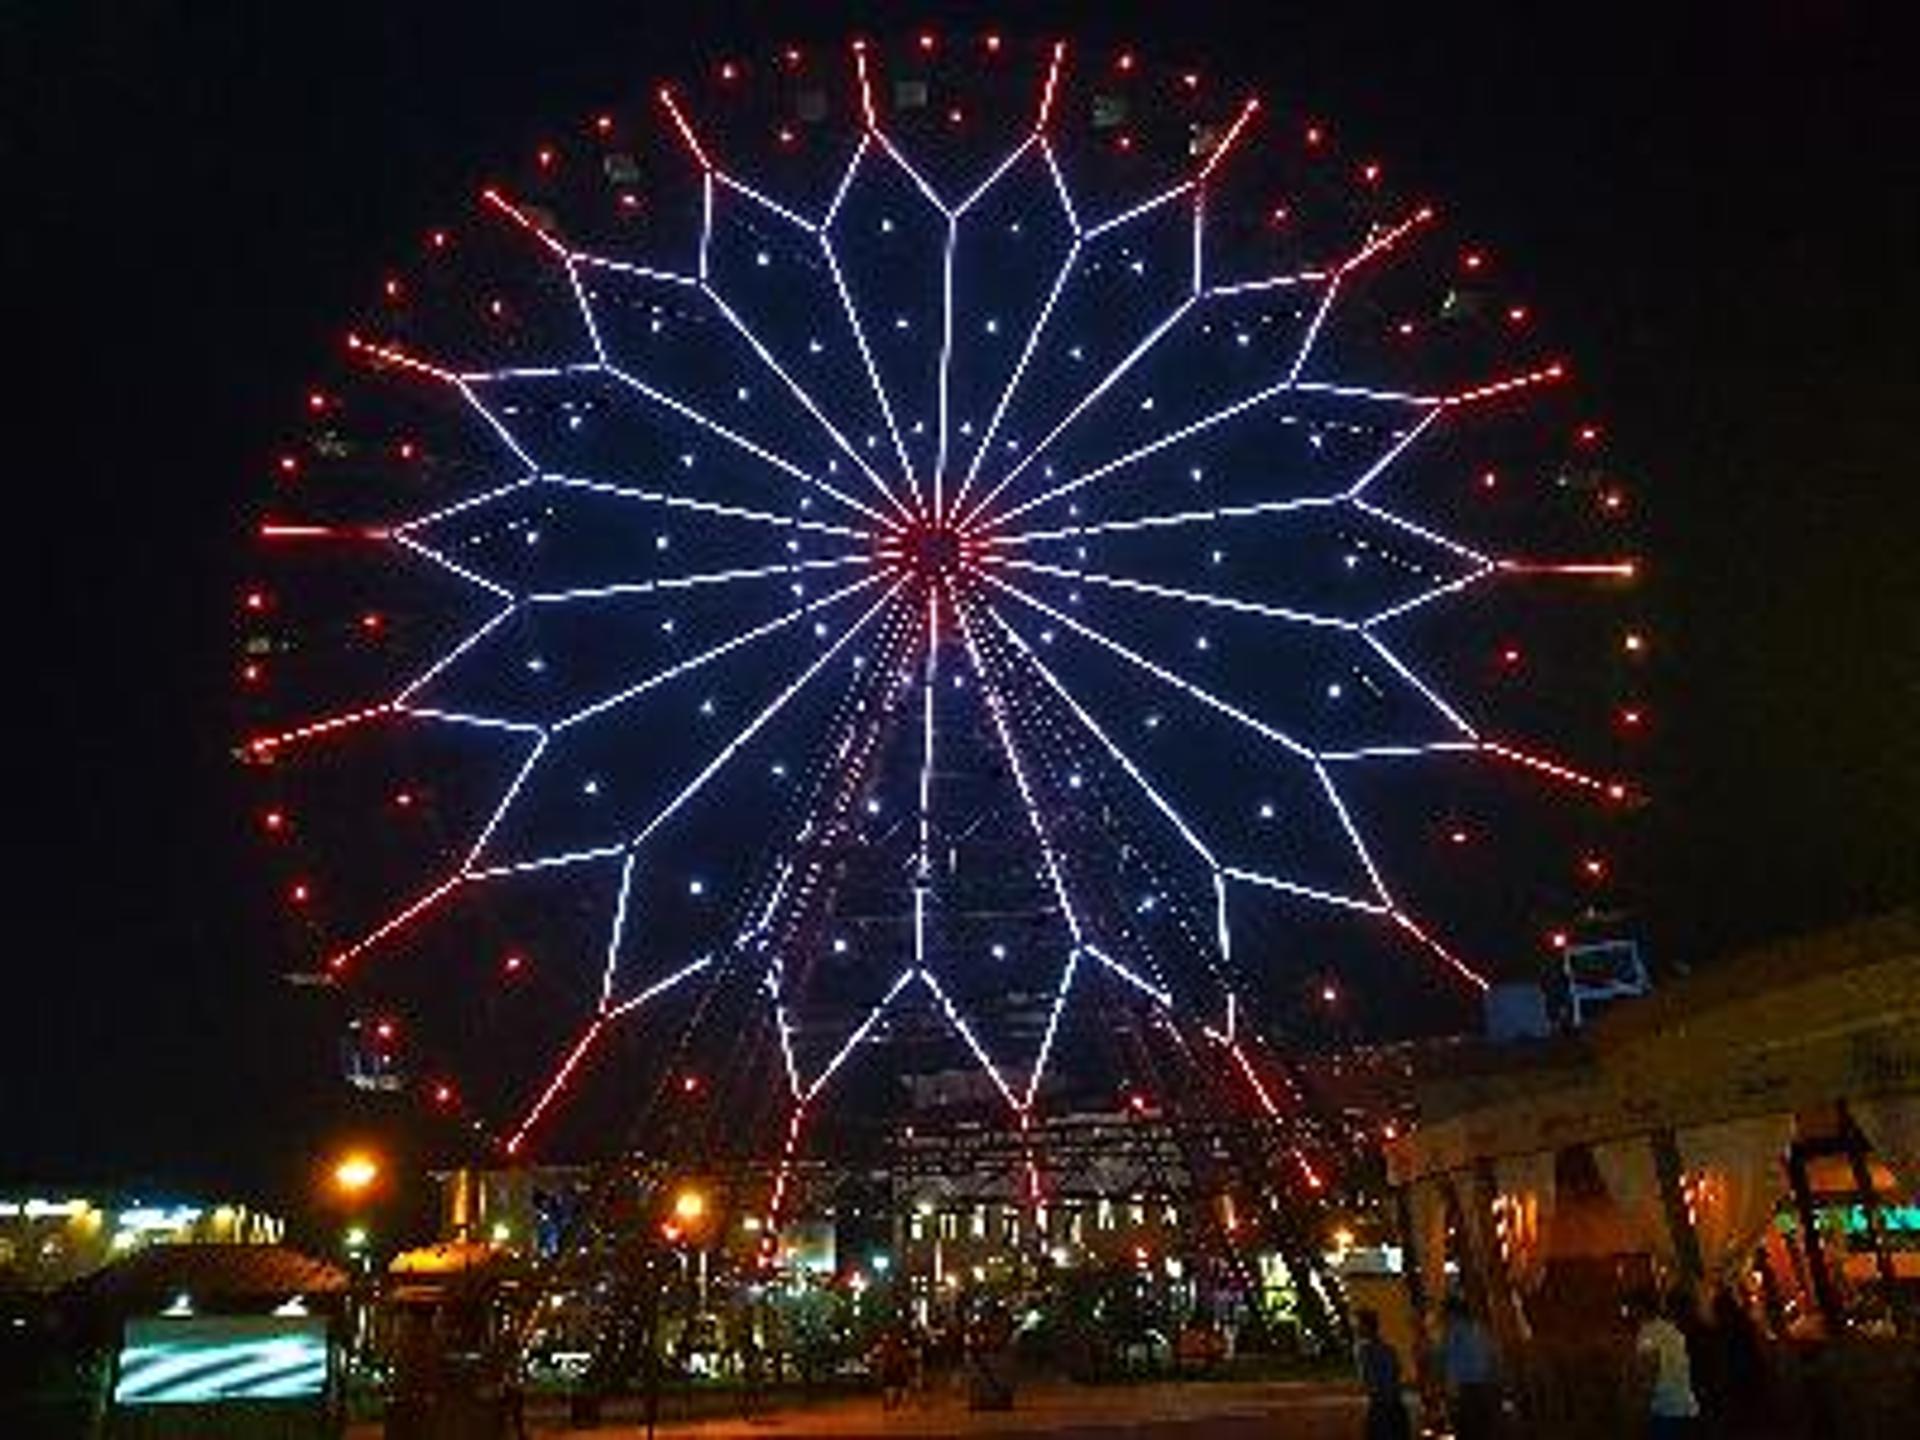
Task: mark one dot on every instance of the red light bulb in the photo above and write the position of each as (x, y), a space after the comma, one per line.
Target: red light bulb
(274, 821)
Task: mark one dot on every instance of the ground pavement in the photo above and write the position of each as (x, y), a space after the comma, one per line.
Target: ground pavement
(1218, 1410)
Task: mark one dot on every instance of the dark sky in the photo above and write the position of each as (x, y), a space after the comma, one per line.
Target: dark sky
(1721, 210)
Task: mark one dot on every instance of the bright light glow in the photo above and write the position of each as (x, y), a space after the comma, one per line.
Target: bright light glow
(356, 1172)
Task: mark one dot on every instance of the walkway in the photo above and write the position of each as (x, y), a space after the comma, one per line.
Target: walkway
(1226, 1410)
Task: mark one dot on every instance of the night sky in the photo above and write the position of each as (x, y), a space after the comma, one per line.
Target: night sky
(1719, 211)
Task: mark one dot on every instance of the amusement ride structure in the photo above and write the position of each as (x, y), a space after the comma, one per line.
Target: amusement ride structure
(875, 606)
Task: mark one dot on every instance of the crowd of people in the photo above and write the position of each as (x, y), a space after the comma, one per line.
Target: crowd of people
(1689, 1371)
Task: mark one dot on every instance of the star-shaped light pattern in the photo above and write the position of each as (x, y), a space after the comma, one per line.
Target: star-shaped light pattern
(886, 430)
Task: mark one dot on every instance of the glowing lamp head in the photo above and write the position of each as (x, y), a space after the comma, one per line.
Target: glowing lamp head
(356, 1173)
(689, 1207)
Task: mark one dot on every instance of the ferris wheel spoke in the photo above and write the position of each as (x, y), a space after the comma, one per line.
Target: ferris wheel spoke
(1093, 727)
(1157, 798)
(983, 506)
(1400, 667)
(859, 1035)
(1385, 240)
(452, 567)
(1027, 348)
(1434, 947)
(733, 437)
(1429, 409)
(971, 1040)
(811, 405)
(997, 713)
(712, 289)
(671, 583)
(865, 349)
(1201, 599)
(711, 654)
(1172, 519)
(906, 374)
(1155, 669)
(759, 721)
(674, 501)
(556, 1083)
(1265, 881)
(393, 924)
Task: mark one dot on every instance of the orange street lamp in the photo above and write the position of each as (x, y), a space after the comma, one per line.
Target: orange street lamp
(355, 1173)
(689, 1207)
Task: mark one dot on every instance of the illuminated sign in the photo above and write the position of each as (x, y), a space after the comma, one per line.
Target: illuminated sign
(207, 1360)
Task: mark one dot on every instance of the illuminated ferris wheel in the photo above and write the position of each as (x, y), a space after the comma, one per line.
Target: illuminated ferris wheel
(945, 539)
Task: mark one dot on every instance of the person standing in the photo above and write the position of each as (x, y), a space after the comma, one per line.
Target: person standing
(1740, 1369)
(1472, 1377)
(892, 1364)
(1379, 1367)
(1663, 1371)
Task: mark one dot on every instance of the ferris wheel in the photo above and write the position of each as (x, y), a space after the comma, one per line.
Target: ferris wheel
(946, 537)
